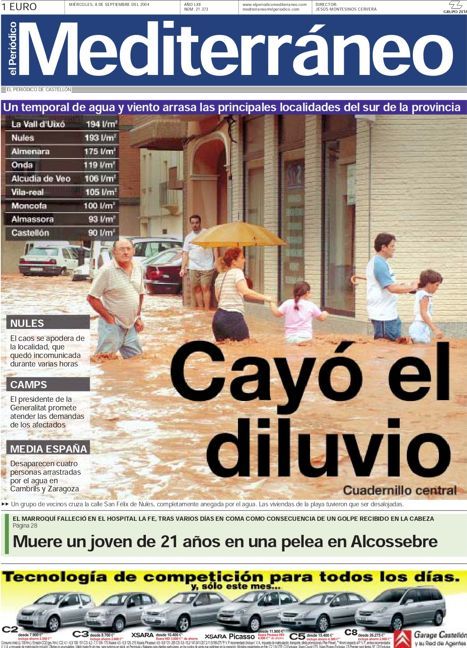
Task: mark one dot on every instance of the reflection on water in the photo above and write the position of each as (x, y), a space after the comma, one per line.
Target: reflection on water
(148, 442)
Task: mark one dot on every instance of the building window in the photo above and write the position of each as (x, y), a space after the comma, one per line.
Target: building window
(292, 206)
(339, 152)
(253, 148)
(163, 200)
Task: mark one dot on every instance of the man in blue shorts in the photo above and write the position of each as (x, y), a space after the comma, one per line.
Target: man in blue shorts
(383, 291)
(117, 294)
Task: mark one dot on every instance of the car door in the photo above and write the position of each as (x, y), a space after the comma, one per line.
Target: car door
(215, 604)
(135, 608)
(86, 604)
(146, 601)
(354, 602)
(270, 608)
(201, 608)
(338, 609)
(75, 256)
(412, 608)
(66, 259)
(426, 605)
(285, 598)
(70, 609)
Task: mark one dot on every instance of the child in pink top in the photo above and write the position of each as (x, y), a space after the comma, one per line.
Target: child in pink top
(299, 313)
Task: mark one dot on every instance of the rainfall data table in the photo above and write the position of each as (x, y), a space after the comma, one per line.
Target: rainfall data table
(62, 178)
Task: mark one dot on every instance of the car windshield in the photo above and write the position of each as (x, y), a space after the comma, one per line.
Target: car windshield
(116, 599)
(140, 248)
(251, 597)
(44, 251)
(167, 256)
(184, 597)
(49, 599)
(390, 596)
(152, 247)
(319, 599)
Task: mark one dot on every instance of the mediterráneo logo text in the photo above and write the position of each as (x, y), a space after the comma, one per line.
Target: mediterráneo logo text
(173, 50)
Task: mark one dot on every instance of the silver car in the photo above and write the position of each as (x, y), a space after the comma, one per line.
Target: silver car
(321, 611)
(256, 609)
(401, 606)
(119, 611)
(56, 609)
(184, 610)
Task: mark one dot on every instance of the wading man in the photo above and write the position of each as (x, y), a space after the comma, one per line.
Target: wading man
(200, 263)
(117, 296)
(383, 291)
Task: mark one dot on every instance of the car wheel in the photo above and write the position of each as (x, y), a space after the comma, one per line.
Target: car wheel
(397, 622)
(254, 624)
(119, 624)
(322, 625)
(183, 623)
(53, 623)
(438, 618)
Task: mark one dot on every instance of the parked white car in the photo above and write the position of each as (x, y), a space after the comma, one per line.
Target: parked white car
(51, 260)
(146, 247)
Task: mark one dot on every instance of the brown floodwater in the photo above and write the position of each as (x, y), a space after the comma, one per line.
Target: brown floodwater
(150, 443)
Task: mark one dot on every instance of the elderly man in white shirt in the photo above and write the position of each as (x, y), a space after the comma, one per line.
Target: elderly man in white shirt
(117, 295)
(200, 263)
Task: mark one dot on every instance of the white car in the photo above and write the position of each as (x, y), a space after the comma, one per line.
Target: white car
(146, 247)
(184, 610)
(321, 611)
(255, 609)
(51, 260)
(119, 611)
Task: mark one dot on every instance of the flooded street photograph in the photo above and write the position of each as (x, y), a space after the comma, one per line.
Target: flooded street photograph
(149, 442)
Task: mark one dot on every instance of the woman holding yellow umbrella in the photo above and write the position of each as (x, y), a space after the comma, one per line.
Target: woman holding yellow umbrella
(231, 286)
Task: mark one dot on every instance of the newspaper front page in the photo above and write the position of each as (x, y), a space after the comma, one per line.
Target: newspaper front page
(233, 323)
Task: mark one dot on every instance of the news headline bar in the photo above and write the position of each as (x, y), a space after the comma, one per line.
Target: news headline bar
(361, 108)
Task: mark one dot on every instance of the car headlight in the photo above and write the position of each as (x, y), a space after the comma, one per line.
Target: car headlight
(40, 613)
(380, 612)
(241, 611)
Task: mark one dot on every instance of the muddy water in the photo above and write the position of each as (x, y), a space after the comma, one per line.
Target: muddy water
(148, 442)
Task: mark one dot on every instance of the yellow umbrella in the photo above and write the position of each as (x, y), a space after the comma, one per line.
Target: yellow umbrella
(237, 234)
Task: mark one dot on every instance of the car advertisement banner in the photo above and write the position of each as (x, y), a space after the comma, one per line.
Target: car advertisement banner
(234, 323)
(236, 606)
